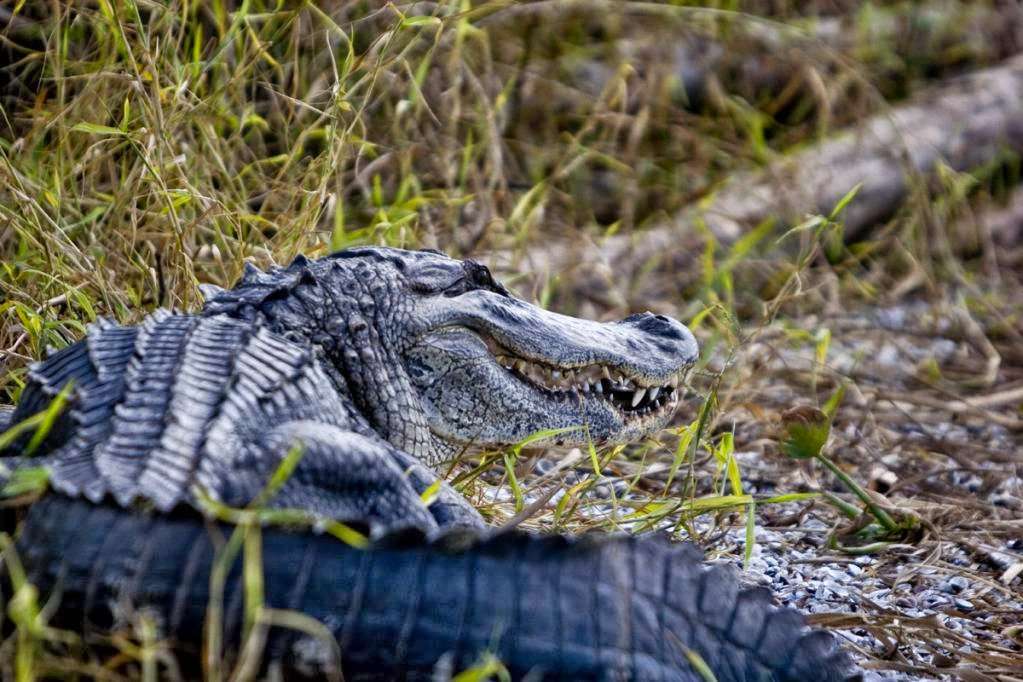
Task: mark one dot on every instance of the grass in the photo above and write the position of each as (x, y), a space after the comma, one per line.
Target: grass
(149, 147)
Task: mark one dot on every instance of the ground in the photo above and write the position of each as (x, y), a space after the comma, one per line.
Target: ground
(943, 597)
(605, 158)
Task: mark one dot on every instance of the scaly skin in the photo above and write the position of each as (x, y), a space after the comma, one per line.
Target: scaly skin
(593, 608)
(376, 363)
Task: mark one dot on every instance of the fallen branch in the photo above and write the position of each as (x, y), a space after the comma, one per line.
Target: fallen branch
(963, 125)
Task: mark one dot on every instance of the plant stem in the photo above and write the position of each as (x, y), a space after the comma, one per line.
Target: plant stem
(851, 511)
(880, 514)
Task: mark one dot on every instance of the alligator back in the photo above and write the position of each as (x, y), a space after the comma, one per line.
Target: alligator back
(172, 402)
(584, 609)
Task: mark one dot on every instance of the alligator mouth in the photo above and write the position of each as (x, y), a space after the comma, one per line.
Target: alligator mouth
(633, 397)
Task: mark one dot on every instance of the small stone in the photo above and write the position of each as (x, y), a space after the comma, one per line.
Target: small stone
(964, 605)
(882, 478)
(955, 584)
(932, 600)
(543, 465)
(905, 603)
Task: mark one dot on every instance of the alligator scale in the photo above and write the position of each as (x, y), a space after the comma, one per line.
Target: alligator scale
(378, 363)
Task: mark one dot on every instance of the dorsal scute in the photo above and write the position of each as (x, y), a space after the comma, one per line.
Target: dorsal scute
(68, 364)
(141, 414)
(67, 368)
(83, 362)
(255, 287)
(270, 373)
(200, 387)
(300, 264)
(251, 274)
(109, 348)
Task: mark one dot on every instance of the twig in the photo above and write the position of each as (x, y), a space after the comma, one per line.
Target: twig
(529, 510)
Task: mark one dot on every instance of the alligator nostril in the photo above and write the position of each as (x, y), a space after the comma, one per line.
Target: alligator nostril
(662, 325)
(676, 337)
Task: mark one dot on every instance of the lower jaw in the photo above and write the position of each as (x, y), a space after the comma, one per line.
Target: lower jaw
(632, 427)
(636, 427)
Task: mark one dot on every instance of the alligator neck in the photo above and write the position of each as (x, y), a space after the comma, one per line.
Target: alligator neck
(338, 323)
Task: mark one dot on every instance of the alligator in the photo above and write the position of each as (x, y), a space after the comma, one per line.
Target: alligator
(362, 371)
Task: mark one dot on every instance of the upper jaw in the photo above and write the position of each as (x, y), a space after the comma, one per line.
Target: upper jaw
(647, 349)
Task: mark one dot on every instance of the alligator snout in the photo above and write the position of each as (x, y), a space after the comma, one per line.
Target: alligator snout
(646, 347)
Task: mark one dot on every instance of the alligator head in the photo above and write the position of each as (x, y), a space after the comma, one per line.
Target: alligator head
(437, 355)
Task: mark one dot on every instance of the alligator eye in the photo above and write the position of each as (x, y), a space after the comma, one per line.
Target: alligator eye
(481, 277)
(435, 279)
(467, 276)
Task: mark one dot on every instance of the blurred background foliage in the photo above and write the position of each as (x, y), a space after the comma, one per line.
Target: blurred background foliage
(150, 146)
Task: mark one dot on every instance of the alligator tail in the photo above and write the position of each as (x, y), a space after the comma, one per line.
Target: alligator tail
(584, 609)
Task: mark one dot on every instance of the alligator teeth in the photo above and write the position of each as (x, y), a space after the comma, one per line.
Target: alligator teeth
(593, 381)
(637, 396)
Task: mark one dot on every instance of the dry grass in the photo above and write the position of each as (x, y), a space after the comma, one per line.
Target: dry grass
(147, 147)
